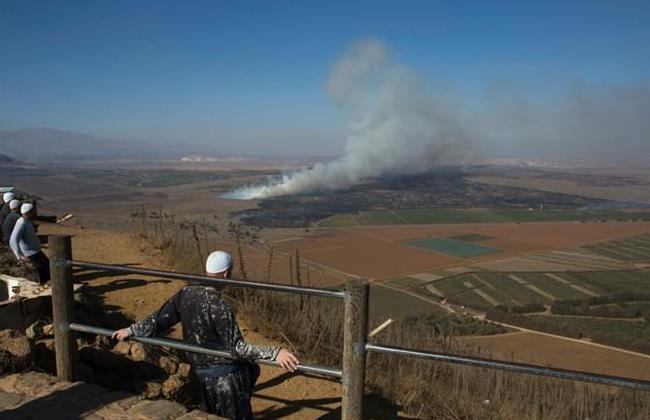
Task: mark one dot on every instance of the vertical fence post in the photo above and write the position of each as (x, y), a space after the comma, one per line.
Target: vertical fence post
(65, 345)
(355, 333)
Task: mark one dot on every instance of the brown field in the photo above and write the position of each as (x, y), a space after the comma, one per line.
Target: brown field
(539, 349)
(375, 259)
(379, 252)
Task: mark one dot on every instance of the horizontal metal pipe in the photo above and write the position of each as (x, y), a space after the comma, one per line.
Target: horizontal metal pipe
(181, 345)
(515, 367)
(212, 280)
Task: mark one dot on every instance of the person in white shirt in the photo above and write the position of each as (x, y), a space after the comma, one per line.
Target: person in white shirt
(25, 244)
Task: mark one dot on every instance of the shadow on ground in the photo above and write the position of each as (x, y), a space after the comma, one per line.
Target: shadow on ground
(70, 403)
(375, 406)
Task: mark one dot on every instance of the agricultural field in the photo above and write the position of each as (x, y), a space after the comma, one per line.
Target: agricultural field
(545, 350)
(454, 247)
(634, 248)
(486, 290)
(442, 216)
(629, 334)
(386, 303)
(385, 252)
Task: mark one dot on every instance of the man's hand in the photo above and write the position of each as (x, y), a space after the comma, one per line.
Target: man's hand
(122, 334)
(287, 360)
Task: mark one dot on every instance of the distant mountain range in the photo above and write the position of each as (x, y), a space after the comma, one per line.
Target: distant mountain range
(42, 144)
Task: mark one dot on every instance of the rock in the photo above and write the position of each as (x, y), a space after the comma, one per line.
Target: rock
(174, 387)
(145, 410)
(9, 400)
(148, 389)
(103, 341)
(122, 347)
(16, 351)
(168, 364)
(184, 370)
(48, 330)
(35, 330)
(31, 383)
(98, 357)
(139, 352)
(199, 415)
(8, 382)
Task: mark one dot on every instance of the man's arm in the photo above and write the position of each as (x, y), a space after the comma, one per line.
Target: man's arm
(163, 319)
(16, 235)
(228, 330)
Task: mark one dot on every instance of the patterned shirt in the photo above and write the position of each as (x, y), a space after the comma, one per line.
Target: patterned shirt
(207, 321)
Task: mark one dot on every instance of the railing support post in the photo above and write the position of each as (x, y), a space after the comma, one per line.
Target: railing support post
(355, 333)
(65, 345)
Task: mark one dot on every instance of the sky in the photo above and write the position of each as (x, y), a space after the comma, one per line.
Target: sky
(249, 77)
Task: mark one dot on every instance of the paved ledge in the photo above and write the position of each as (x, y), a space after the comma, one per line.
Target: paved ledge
(35, 395)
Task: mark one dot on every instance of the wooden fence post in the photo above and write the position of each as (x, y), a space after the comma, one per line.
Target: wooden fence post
(355, 333)
(65, 345)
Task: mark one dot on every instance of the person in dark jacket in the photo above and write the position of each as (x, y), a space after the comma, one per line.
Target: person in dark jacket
(5, 210)
(10, 220)
(208, 321)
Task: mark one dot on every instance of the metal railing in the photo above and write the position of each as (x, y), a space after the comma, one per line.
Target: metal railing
(181, 345)
(355, 345)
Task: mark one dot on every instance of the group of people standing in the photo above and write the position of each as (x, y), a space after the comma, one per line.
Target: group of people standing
(18, 231)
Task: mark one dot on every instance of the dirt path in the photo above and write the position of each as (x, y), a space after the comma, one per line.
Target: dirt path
(278, 394)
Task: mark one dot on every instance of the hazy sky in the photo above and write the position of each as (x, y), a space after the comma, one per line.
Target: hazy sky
(249, 76)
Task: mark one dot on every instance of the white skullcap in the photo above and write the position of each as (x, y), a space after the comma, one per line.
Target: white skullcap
(26, 208)
(8, 197)
(14, 204)
(218, 262)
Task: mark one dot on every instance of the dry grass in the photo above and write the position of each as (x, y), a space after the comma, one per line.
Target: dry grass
(313, 327)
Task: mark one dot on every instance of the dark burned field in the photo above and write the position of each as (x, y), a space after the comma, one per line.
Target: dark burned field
(443, 188)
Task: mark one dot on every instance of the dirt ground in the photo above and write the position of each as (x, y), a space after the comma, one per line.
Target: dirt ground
(380, 252)
(277, 395)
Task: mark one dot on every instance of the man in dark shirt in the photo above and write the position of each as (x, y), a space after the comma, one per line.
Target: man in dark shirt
(10, 220)
(208, 321)
(4, 211)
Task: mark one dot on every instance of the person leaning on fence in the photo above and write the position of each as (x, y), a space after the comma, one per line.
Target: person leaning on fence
(25, 244)
(10, 220)
(208, 321)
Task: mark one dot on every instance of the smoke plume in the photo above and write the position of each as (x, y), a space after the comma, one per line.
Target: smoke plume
(395, 125)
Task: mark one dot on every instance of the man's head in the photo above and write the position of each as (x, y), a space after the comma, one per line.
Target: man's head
(8, 196)
(14, 205)
(219, 264)
(27, 210)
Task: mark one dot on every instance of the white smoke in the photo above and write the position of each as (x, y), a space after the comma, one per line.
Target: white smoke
(396, 126)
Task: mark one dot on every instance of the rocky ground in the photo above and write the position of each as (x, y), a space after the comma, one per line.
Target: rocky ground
(37, 395)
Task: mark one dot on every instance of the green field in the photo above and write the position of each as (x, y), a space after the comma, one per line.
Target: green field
(634, 248)
(453, 247)
(537, 288)
(633, 335)
(437, 216)
(471, 237)
(387, 303)
(617, 281)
